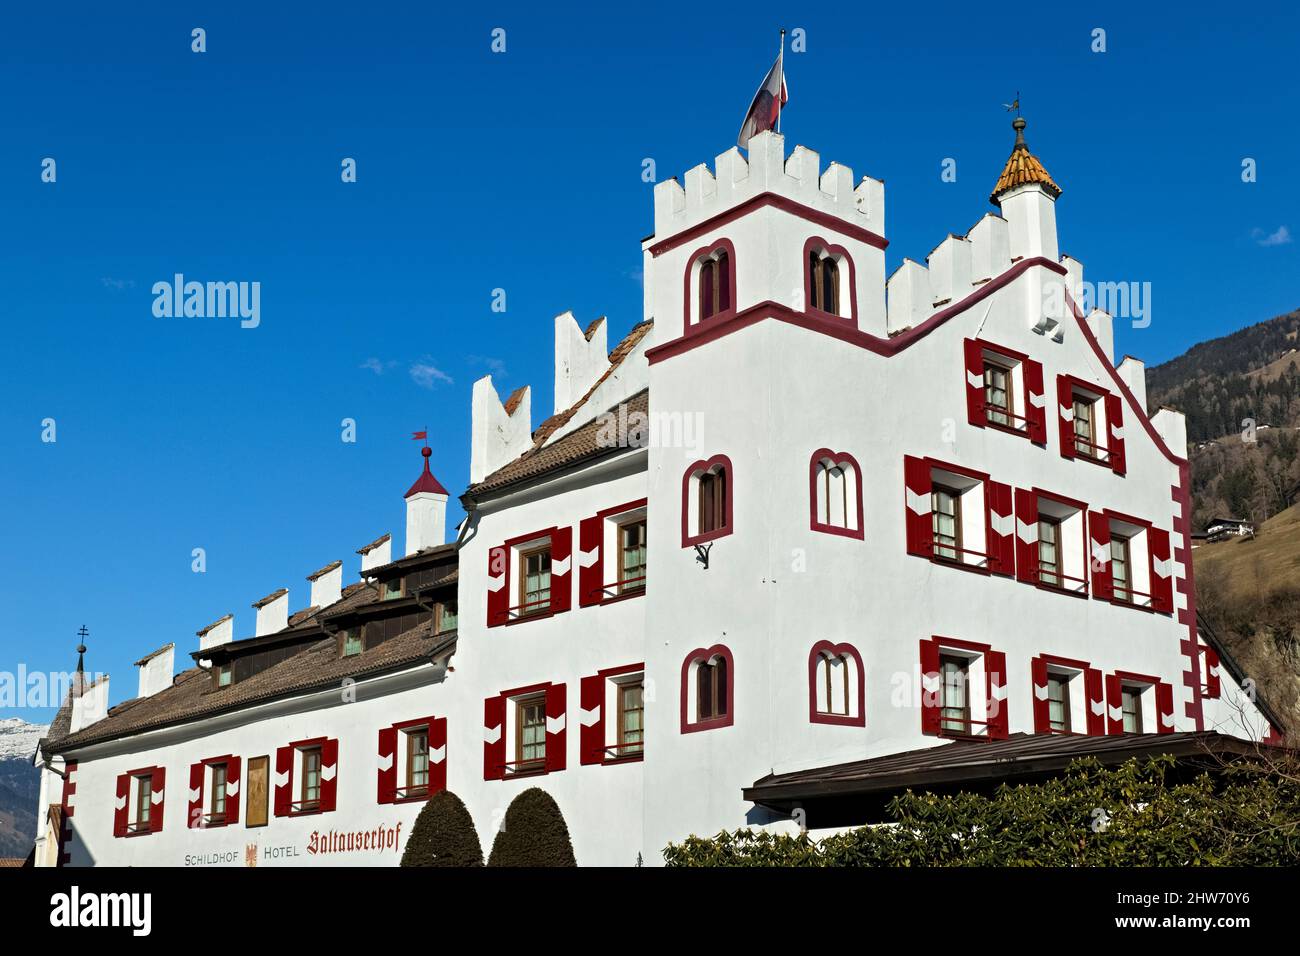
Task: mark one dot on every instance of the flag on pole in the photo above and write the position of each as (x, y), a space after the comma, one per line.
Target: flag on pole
(419, 436)
(765, 112)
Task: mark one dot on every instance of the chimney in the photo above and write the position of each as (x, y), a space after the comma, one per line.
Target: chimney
(426, 510)
(326, 584)
(376, 553)
(91, 706)
(220, 631)
(156, 670)
(272, 612)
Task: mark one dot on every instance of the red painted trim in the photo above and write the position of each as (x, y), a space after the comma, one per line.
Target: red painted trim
(694, 324)
(65, 828)
(620, 509)
(706, 464)
(820, 244)
(704, 654)
(758, 202)
(979, 476)
(838, 457)
(836, 650)
(1064, 662)
(838, 328)
(959, 644)
(530, 689)
(1133, 678)
(624, 669)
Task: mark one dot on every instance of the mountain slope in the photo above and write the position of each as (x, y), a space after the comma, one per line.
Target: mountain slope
(19, 786)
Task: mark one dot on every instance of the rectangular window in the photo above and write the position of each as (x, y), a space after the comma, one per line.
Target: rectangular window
(310, 794)
(417, 762)
(1049, 551)
(1120, 568)
(1132, 707)
(713, 501)
(837, 685)
(447, 617)
(824, 278)
(392, 589)
(535, 581)
(631, 719)
(143, 802)
(998, 401)
(223, 675)
(954, 705)
(352, 641)
(711, 689)
(530, 741)
(217, 808)
(947, 523)
(256, 791)
(1058, 703)
(631, 556)
(1085, 427)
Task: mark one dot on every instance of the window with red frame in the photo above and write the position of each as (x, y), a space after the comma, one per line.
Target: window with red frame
(1004, 390)
(707, 491)
(836, 685)
(715, 284)
(140, 800)
(529, 576)
(412, 760)
(612, 715)
(1138, 704)
(1131, 563)
(306, 777)
(525, 731)
(958, 517)
(835, 493)
(708, 682)
(1067, 696)
(963, 689)
(1051, 541)
(1091, 423)
(214, 792)
(612, 554)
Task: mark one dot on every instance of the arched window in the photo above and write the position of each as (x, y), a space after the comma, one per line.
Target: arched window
(715, 285)
(708, 683)
(706, 500)
(828, 280)
(835, 493)
(836, 687)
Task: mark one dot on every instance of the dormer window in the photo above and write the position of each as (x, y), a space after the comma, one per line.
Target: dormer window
(352, 642)
(223, 674)
(392, 589)
(715, 284)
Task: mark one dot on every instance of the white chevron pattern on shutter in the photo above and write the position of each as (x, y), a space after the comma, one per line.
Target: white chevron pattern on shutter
(496, 582)
(1098, 707)
(1100, 554)
(1002, 524)
(976, 381)
(282, 779)
(561, 566)
(1116, 714)
(999, 691)
(437, 754)
(1163, 568)
(1067, 414)
(1040, 691)
(327, 773)
(232, 788)
(194, 794)
(918, 504)
(491, 734)
(384, 761)
(1167, 720)
(156, 797)
(120, 803)
(1117, 431)
(554, 724)
(930, 683)
(1028, 533)
(1038, 400)
(587, 558)
(588, 718)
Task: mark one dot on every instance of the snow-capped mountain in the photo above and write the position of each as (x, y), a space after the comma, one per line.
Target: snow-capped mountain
(19, 785)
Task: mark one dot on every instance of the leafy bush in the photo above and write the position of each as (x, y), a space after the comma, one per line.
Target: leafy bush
(1132, 815)
(443, 835)
(533, 834)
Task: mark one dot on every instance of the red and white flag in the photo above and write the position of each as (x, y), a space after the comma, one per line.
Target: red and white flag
(766, 108)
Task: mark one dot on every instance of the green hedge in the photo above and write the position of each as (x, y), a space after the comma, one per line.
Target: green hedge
(443, 835)
(533, 834)
(1132, 815)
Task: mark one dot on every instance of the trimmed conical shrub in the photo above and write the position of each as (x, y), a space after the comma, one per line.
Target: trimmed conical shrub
(534, 833)
(443, 835)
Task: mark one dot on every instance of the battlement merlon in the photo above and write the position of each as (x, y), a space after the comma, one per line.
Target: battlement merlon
(735, 180)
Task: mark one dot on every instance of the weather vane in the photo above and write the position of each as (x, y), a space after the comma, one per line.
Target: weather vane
(1013, 106)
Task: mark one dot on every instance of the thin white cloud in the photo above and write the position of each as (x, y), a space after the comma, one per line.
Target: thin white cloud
(377, 366)
(1281, 237)
(425, 374)
(118, 284)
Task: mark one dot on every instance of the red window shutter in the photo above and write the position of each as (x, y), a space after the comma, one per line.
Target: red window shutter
(329, 774)
(591, 563)
(591, 720)
(1164, 708)
(1065, 413)
(233, 786)
(122, 805)
(1213, 685)
(158, 796)
(386, 765)
(995, 670)
(1035, 402)
(1002, 528)
(1114, 705)
(1042, 710)
(1092, 689)
(494, 738)
(1115, 440)
(976, 414)
(195, 806)
(561, 569)
(1026, 536)
(498, 582)
(283, 781)
(916, 492)
(1162, 571)
(1103, 585)
(437, 755)
(556, 736)
(930, 687)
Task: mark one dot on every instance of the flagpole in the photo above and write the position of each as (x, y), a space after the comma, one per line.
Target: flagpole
(780, 60)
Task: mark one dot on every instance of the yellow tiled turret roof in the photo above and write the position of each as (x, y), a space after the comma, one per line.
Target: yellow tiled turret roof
(1022, 168)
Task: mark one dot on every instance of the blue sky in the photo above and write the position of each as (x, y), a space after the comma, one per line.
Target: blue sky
(519, 171)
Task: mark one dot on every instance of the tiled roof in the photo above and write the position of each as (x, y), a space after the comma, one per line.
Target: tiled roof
(577, 446)
(270, 597)
(434, 551)
(426, 482)
(220, 620)
(374, 544)
(152, 654)
(317, 666)
(1022, 168)
(325, 570)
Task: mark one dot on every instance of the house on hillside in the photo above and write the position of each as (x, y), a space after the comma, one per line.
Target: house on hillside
(1221, 529)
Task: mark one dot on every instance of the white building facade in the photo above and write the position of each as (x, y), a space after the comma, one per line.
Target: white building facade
(802, 514)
